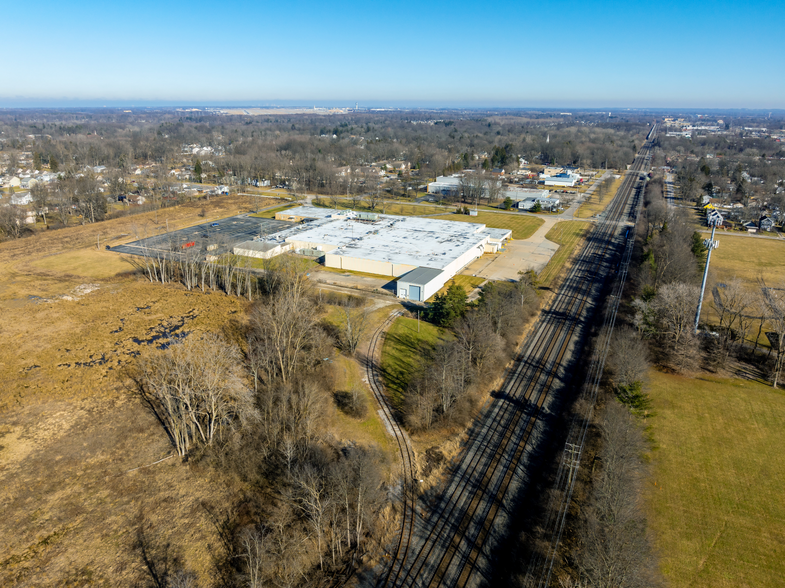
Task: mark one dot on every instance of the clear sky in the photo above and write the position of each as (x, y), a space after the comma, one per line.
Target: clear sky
(514, 53)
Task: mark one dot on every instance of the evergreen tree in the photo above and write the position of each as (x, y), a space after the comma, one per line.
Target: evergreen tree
(448, 307)
(198, 171)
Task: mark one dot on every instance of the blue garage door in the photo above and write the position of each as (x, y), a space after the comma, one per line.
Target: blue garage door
(414, 293)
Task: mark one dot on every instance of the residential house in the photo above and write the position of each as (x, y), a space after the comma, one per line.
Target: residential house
(766, 223)
(396, 166)
(371, 171)
(21, 199)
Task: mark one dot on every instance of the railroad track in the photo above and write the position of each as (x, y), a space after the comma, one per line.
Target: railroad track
(540, 567)
(452, 548)
(408, 493)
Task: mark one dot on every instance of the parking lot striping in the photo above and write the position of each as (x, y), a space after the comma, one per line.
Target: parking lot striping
(225, 234)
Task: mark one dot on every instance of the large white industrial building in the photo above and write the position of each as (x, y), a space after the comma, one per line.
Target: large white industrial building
(383, 244)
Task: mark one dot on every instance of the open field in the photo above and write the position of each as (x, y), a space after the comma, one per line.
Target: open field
(716, 501)
(522, 226)
(72, 432)
(369, 429)
(594, 205)
(273, 211)
(747, 258)
(567, 234)
(399, 208)
(403, 348)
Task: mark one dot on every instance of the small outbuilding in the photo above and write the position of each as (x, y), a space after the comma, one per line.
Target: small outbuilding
(261, 249)
(421, 283)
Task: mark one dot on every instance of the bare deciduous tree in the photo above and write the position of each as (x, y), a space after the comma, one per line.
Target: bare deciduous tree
(675, 306)
(627, 360)
(775, 305)
(283, 328)
(12, 221)
(354, 324)
(614, 551)
(313, 500)
(194, 388)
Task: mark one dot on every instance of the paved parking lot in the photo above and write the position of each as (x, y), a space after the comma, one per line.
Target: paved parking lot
(519, 256)
(225, 235)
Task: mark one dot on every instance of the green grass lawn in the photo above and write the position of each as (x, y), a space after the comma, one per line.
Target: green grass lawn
(717, 499)
(370, 428)
(748, 258)
(272, 212)
(403, 349)
(400, 208)
(522, 226)
(567, 234)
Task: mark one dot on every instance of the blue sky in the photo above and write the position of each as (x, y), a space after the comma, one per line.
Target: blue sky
(547, 54)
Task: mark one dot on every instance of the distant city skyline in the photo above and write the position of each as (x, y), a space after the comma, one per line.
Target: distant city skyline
(687, 55)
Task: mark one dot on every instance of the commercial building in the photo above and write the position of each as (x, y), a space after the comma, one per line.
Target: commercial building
(420, 284)
(383, 244)
(445, 185)
(562, 179)
(518, 194)
(545, 203)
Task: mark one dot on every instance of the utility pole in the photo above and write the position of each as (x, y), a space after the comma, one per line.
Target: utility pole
(572, 457)
(710, 244)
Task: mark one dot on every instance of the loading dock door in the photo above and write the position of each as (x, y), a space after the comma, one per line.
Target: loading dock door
(414, 293)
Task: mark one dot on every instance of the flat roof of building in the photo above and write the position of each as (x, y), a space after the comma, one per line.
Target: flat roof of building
(262, 246)
(420, 276)
(405, 240)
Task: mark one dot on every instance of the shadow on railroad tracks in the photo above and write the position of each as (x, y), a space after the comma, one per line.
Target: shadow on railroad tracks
(521, 510)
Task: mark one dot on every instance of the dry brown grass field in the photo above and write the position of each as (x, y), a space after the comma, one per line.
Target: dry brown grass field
(594, 205)
(72, 319)
(747, 258)
(716, 502)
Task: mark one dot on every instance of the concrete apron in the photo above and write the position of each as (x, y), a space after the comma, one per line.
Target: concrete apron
(520, 256)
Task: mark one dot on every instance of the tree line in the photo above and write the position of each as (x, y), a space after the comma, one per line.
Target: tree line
(255, 402)
(482, 338)
(609, 544)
